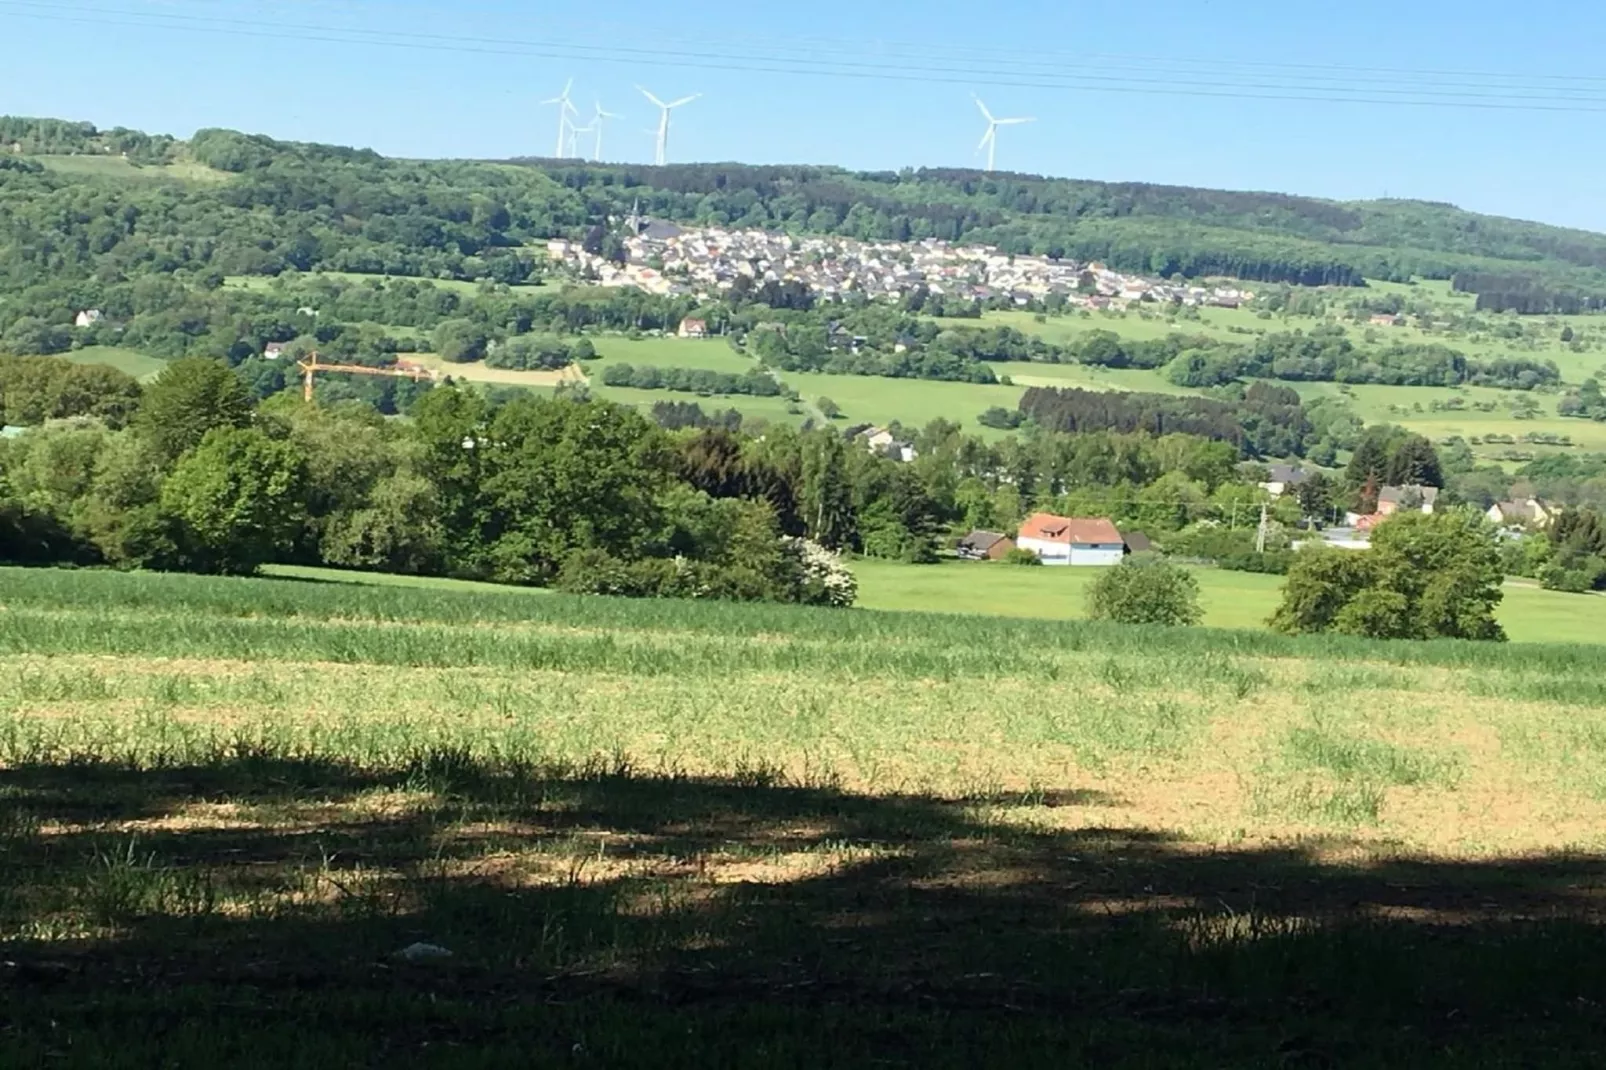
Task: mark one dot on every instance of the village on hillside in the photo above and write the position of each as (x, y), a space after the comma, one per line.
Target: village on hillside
(665, 258)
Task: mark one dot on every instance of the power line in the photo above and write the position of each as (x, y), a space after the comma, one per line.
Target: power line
(881, 46)
(1561, 99)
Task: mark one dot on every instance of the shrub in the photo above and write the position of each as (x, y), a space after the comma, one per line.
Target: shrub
(821, 577)
(1145, 589)
(1017, 556)
(1427, 576)
(1271, 562)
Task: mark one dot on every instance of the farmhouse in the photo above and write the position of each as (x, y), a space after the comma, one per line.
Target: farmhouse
(1391, 500)
(690, 328)
(274, 350)
(1527, 512)
(1283, 478)
(1066, 540)
(985, 546)
(1386, 320)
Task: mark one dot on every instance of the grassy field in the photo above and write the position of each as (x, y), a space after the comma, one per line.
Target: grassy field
(480, 372)
(119, 169)
(1230, 599)
(711, 354)
(669, 834)
(140, 365)
(913, 402)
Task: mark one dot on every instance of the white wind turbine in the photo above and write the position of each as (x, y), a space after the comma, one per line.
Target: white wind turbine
(596, 126)
(663, 122)
(574, 138)
(565, 109)
(989, 140)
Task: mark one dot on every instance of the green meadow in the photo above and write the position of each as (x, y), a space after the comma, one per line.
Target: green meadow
(282, 822)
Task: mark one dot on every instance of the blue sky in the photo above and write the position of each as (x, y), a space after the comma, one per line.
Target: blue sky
(1158, 91)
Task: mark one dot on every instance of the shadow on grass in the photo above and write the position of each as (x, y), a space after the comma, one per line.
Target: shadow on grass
(599, 917)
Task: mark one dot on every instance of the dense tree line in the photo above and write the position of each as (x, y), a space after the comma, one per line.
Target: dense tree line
(1523, 294)
(755, 383)
(36, 389)
(528, 490)
(199, 475)
(1266, 421)
(1326, 354)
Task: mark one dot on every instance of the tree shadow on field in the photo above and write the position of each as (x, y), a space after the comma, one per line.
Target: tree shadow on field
(247, 913)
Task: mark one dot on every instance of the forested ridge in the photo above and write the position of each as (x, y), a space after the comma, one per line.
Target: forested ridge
(265, 206)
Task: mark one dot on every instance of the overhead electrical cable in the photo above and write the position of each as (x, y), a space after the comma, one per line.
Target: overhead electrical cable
(1561, 98)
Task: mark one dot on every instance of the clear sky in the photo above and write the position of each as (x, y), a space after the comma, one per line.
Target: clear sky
(1497, 107)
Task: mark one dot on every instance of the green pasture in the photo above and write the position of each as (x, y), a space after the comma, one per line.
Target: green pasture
(912, 402)
(1230, 599)
(276, 822)
(709, 354)
(129, 361)
(119, 169)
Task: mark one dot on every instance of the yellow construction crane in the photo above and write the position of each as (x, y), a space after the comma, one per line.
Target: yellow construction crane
(310, 367)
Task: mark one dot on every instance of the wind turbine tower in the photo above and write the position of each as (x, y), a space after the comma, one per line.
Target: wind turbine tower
(597, 121)
(663, 122)
(989, 140)
(565, 109)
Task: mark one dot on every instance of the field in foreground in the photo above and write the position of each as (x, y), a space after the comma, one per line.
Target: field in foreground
(667, 834)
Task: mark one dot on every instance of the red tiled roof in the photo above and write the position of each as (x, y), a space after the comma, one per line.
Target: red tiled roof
(1069, 529)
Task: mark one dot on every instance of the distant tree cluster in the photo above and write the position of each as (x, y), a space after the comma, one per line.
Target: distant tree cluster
(1526, 295)
(1426, 576)
(539, 352)
(36, 389)
(1327, 355)
(1265, 421)
(756, 383)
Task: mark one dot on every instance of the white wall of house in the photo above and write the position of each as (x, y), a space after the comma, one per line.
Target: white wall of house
(1050, 553)
(1084, 553)
(1059, 553)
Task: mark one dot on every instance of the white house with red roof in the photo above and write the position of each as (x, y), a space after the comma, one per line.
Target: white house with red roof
(1069, 540)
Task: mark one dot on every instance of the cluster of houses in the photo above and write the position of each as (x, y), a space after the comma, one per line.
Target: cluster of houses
(1058, 540)
(1510, 516)
(665, 258)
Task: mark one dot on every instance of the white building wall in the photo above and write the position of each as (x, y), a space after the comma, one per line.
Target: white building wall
(1097, 553)
(1050, 553)
(1059, 553)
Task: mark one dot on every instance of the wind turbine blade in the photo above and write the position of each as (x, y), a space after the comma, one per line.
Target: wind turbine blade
(986, 138)
(983, 108)
(568, 86)
(656, 102)
(1014, 122)
(684, 100)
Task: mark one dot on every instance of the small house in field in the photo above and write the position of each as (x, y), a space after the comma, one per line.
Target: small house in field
(1282, 478)
(1068, 540)
(274, 350)
(1524, 513)
(985, 546)
(1387, 320)
(1391, 500)
(87, 318)
(690, 328)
